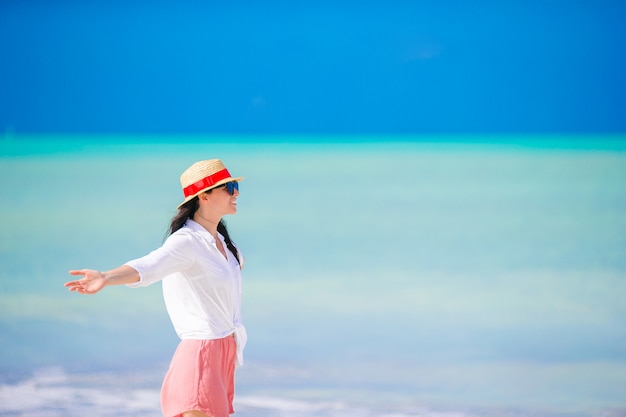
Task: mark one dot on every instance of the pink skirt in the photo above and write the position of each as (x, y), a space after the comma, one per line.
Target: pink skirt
(201, 377)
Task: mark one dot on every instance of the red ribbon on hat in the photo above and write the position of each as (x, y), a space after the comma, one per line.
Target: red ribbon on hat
(205, 182)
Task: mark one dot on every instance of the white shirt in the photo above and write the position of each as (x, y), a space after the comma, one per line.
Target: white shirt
(201, 288)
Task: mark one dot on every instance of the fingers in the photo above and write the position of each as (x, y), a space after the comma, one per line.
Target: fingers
(74, 285)
(78, 284)
(79, 287)
(88, 284)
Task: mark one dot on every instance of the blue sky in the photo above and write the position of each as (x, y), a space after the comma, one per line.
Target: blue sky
(313, 67)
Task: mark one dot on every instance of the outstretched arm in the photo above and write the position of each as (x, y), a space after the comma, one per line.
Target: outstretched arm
(93, 281)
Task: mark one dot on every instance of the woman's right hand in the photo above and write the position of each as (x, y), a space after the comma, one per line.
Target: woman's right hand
(91, 282)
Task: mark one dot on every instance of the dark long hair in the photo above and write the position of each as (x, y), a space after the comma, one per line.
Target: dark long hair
(187, 210)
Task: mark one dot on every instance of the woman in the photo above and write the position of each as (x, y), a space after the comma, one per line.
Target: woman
(200, 269)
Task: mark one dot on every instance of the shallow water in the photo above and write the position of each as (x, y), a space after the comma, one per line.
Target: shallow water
(384, 277)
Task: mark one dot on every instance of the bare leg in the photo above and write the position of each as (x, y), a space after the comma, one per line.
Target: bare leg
(194, 413)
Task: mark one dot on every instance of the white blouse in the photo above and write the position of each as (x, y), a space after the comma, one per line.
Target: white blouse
(201, 288)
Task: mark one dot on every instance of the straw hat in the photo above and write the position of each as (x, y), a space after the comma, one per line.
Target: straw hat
(203, 176)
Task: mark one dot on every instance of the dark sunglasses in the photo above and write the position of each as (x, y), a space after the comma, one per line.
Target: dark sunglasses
(231, 187)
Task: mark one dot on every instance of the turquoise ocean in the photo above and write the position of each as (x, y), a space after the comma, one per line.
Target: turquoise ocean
(386, 276)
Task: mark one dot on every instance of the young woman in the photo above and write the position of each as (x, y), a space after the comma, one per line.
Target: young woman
(200, 270)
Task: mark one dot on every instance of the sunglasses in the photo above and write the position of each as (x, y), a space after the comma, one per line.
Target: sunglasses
(231, 187)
